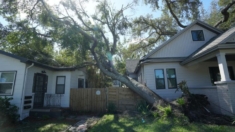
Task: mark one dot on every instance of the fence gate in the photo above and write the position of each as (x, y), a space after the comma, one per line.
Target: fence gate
(88, 99)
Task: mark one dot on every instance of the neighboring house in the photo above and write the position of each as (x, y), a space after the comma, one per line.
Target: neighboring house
(35, 85)
(131, 65)
(201, 55)
(116, 84)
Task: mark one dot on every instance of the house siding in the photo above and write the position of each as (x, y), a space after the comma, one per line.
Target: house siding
(11, 64)
(64, 97)
(196, 76)
(30, 81)
(183, 45)
(30, 77)
(74, 78)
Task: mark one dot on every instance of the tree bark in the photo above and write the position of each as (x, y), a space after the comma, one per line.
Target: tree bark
(173, 14)
(225, 13)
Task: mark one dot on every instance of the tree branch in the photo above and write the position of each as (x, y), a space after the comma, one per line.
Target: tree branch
(173, 14)
(225, 13)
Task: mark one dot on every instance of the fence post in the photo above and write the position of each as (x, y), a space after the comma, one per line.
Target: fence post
(107, 96)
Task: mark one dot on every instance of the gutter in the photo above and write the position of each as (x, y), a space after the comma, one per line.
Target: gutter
(157, 60)
(23, 91)
(217, 47)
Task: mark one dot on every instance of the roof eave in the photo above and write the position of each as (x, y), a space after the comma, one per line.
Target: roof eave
(222, 46)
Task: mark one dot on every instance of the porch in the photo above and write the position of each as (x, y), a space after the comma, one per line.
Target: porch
(52, 105)
(222, 77)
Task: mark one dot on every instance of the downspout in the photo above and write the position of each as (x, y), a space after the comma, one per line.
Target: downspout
(23, 91)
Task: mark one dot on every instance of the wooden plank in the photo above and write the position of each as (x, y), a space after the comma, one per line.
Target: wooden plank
(87, 100)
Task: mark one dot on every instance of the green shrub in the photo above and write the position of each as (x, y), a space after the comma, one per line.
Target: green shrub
(143, 108)
(8, 112)
(182, 120)
(180, 101)
(165, 111)
(155, 114)
(111, 108)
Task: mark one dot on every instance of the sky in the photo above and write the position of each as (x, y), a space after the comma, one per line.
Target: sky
(139, 10)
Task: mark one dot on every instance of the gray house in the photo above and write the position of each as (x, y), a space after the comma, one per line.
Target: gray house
(201, 55)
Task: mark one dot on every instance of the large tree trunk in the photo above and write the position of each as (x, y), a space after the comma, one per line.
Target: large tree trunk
(148, 95)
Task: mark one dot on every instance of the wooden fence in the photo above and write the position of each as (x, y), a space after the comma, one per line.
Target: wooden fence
(87, 99)
(98, 99)
(123, 98)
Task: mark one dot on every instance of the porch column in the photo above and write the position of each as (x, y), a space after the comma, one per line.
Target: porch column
(223, 67)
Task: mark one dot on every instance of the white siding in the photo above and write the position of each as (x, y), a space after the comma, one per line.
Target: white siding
(196, 76)
(74, 78)
(29, 83)
(183, 45)
(65, 96)
(11, 64)
(51, 86)
(70, 82)
(30, 77)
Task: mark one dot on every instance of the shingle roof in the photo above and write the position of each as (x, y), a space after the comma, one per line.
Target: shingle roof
(131, 65)
(25, 60)
(205, 25)
(214, 42)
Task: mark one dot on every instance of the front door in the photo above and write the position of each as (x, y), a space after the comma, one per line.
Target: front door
(39, 89)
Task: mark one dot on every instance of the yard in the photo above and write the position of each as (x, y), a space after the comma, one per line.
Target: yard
(118, 123)
(39, 125)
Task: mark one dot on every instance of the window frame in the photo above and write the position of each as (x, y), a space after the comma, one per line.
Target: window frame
(13, 83)
(60, 84)
(171, 78)
(203, 39)
(160, 79)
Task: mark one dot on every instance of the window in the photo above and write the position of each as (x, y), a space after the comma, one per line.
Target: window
(197, 35)
(159, 77)
(7, 80)
(81, 83)
(215, 74)
(60, 84)
(171, 78)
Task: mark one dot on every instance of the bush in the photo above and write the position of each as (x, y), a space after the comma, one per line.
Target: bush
(166, 111)
(8, 112)
(143, 108)
(180, 101)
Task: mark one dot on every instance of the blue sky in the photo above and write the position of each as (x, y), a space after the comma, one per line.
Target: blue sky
(141, 9)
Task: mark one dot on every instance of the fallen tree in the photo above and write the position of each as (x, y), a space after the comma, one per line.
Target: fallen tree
(69, 24)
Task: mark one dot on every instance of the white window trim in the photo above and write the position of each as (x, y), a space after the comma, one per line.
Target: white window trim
(13, 83)
(60, 84)
(165, 78)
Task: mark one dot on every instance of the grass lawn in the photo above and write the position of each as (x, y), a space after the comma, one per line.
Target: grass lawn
(34, 125)
(115, 123)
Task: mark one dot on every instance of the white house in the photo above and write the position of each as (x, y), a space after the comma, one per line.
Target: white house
(35, 85)
(201, 55)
